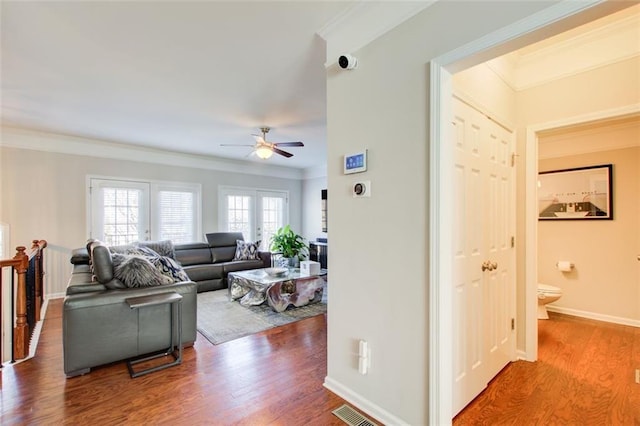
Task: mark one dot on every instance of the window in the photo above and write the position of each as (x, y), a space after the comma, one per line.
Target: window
(272, 217)
(126, 211)
(257, 214)
(238, 215)
(177, 208)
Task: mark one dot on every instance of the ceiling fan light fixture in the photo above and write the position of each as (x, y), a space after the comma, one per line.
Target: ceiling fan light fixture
(264, 152)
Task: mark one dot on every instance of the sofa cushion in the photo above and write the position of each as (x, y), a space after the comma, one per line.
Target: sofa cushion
(102, 265)
(246, 250)
(241, 265)
(223, 254)
(223, 239)
(193, 253)
(80, 256)
(137, 271)
(223, 245)
(204, 272)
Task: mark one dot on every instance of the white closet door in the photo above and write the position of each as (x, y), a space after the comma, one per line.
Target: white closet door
(484, 276)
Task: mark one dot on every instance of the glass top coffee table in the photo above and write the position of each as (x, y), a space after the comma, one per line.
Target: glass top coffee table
(254, 286)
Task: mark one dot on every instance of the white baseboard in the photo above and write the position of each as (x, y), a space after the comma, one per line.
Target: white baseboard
(56, 296)
(594, 316)
(363, 404)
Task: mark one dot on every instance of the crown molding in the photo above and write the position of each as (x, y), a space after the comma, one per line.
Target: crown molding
(561, 142)
(364, 22)
(600, 46)
(14, 137)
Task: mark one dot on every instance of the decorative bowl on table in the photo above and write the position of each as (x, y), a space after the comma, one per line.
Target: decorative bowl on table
(276, 272)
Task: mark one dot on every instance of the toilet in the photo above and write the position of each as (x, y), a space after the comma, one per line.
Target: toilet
(547, 294)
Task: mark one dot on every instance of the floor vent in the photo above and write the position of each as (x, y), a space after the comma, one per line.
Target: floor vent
(352, 417)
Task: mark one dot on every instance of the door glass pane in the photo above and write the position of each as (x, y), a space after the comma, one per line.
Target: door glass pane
(239, 214)
(272, 218)
(121, 209)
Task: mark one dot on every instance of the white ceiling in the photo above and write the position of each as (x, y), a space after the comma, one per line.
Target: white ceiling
(188, 76)
(181, 76)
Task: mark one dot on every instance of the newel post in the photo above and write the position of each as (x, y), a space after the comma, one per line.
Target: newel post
(21, 331)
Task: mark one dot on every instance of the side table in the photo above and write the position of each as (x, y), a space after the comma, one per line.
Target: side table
(175, 300)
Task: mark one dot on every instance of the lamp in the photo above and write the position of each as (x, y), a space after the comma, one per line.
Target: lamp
(264, 152)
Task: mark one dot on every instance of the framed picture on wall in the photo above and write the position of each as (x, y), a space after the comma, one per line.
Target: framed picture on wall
(576, 194)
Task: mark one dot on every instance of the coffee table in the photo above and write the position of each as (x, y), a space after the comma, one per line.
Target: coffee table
(254, 286)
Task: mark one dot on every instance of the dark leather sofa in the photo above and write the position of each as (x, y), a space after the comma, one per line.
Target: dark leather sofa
(209, 263)
(98, 325)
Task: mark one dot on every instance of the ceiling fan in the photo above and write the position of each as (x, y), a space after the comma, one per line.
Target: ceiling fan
(264, 149)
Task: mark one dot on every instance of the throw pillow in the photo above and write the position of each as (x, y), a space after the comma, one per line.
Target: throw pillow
(171, 268)
(246, 250)
(142, 251)
(136, 271)
(120, 249)
(164, 264)
(163, 248)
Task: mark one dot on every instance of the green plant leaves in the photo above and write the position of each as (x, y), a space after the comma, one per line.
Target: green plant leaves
(289, 243)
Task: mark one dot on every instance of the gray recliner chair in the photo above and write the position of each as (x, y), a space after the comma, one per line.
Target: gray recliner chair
(98, 325)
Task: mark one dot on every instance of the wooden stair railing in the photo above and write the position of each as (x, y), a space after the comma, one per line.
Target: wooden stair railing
(29, 271)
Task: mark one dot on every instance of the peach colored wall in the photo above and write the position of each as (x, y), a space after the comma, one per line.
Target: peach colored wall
(483, 87)
(606, 88)
(606, 278)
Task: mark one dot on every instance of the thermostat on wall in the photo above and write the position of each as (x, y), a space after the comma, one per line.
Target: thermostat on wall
(355, 163)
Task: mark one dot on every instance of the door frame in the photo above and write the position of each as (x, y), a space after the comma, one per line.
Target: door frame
(95, 221)
(441, 68)
(254, 193)
(531, 208)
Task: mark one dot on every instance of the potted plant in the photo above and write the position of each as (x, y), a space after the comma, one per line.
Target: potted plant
(291, 245)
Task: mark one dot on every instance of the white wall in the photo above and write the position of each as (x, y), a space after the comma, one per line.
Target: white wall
(379, 245)
(44, 196)
(312, 208)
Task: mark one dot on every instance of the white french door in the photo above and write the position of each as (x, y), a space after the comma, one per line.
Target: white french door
(484, 260)
(124, 211)
(120, 211)
(255, 213)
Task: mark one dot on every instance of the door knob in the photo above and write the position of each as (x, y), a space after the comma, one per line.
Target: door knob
(489, 266)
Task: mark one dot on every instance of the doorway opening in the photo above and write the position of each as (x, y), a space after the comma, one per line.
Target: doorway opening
(554, 20)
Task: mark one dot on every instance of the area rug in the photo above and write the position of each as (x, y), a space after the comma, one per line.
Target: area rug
(220, 320)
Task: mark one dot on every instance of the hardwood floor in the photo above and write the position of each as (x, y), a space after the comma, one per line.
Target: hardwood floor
(584, 376)
(272, 378)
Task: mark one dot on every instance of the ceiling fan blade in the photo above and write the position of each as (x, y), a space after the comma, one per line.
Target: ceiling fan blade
(281, 152)
(235, 144)
(288, 144)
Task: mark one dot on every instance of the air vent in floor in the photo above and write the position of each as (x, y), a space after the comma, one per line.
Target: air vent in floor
(352, 417)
